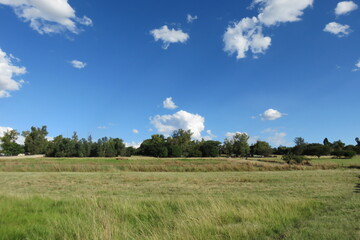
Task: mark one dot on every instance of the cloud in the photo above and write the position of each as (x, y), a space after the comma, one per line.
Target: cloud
(337, 29)
(47, 16)
(244, 36)
(168, 36)
(7, 73)
(279, 138)
(190, 18)
(345, 7)
(167, 124)
(135, 131)
(168, 103)
(271, 114)
(78, 64)
(102, 127)
(3, 130)
(273, 12)
(133, 144)
(209, 135)
(357, 66)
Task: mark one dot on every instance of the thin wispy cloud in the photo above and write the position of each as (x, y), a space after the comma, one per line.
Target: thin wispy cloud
(191, 19)
(78, 64)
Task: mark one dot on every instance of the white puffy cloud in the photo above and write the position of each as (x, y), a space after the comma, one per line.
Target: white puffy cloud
(244, 36)
(190, 18)
(102, 127)
(168, 103)
(7, 73)
(247, 34)
(167, 124)
(280, 11)
(345, 7)
(3, 130)
(78, 64)
(337, 29)
(47, 16)
(135, 131)
(271, 114)
(168, 36)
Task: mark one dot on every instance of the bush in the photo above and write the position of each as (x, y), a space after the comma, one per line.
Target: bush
(344, 153)
(291, 158)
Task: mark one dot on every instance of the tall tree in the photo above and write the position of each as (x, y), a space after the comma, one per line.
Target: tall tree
(241, 147)
(35, 140)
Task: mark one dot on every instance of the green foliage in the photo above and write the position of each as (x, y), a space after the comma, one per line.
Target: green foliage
(35, 140)
(72, 147)
(262, 148)
(210, 148)
(8, 144)
(316, 149)
(344, 153)
(291, 158)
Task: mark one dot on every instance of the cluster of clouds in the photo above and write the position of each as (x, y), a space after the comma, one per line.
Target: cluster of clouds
(338, 29)
(247, 35)
(46, 16)
(8, 71)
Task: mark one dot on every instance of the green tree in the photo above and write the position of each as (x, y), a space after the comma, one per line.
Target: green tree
(9, 145)
(241, 147)
(35, 140)
(317, 149)
(262, 148)
(210, 148)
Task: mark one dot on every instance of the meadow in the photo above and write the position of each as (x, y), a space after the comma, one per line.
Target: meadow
(149, 198)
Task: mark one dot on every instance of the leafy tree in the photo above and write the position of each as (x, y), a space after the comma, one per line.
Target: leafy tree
(210, 148)
(300, 145)
(240, 144)
(316, 149)
(338, 145)
(326, 142)
(9, 145)
(262, 148)
(357, 141)
(35, 140)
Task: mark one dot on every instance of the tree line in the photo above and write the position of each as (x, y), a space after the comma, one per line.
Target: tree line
(179, 144)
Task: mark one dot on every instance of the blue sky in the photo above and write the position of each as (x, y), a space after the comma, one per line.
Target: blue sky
(273, 69)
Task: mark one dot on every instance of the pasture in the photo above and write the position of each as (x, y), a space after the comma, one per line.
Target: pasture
(149, 198)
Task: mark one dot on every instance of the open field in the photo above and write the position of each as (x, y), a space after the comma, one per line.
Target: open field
(118, 202)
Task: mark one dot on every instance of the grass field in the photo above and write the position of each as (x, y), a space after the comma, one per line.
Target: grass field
(146, 198)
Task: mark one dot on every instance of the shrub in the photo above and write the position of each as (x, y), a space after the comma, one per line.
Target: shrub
(291, 158)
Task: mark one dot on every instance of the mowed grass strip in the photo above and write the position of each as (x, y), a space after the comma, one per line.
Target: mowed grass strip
(217, 205)
(140, 164)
